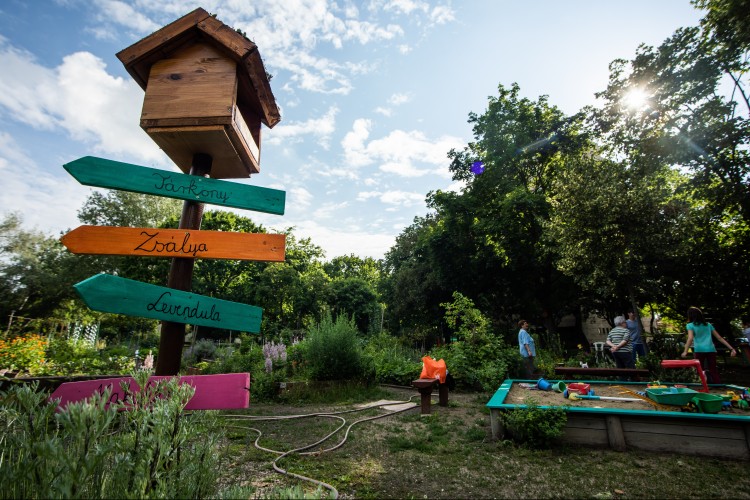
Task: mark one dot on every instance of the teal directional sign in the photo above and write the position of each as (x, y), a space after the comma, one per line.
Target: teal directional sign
(113, 294)
(98, 172)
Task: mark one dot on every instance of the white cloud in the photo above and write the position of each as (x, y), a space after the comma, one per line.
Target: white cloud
(320, 128)
(399, 99)
(383, 111)
(406, 6)
(79, 97)
(289, 33)
(326, 210)
(442, 14)
(353, 143)
(37, 191)
(394, 100)
(114, 11)
(339, 241)
(406, 154)
(300, 197)
(396, 198)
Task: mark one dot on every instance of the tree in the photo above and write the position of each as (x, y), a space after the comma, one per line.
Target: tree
(356, 299)
(36, 272)
(123, 208)
(689, 124)
(352, 266)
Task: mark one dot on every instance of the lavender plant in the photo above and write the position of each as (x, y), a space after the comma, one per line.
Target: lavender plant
(145, 447)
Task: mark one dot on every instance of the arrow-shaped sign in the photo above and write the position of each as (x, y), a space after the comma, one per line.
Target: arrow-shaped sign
(224, 391)
(99, 172)
(113, 294)
(108, 240)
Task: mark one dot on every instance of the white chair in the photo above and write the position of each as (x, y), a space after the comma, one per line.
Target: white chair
(599, 351)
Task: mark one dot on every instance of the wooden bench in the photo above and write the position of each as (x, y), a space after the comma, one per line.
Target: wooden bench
(602, 372)
(425, 386)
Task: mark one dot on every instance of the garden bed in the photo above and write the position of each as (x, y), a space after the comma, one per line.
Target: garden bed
(634, 424)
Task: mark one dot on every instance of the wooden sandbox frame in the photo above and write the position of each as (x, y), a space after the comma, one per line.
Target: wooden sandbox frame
(715, 435)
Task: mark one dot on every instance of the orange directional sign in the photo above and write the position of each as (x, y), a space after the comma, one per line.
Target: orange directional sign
(146, 242)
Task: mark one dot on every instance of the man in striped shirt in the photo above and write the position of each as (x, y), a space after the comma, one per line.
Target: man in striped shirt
(619, 344)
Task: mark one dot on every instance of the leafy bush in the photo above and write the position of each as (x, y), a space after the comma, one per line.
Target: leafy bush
(24, 353)
(479, 369)
(535, 427)
(72, 357)
(392, 362)
(482, 360)
(91, 450)
(333, 350)
(204, 349)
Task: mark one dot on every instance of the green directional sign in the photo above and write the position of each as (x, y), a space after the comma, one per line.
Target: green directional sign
(112, 294)
(99, 172)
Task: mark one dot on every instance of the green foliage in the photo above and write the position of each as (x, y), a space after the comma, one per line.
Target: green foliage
(535, 427)
(393, 362)
(482, 360)
(89, 450)
(204, 349)
(355, 298)
(333, 350)
(25, 353)
(76, 357)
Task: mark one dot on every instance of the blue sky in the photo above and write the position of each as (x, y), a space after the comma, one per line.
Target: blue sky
(373, 95)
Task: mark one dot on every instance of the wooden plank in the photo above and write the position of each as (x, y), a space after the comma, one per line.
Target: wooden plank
(99, 172)
(587, 421)
(713, 447)
(228, 391)
(231, 40)
(182, 143)
(113, 294)
(596, 437)
(196, 81)
(683, 430)
(145, 242)
(133, 57)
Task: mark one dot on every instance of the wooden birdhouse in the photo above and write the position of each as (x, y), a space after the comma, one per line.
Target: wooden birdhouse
(206, 92)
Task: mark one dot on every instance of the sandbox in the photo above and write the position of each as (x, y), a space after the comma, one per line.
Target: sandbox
(638, 425)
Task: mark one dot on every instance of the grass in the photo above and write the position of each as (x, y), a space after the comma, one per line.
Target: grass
(450, 455)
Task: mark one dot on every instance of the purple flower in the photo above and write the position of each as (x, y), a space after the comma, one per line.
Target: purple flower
(477, 167)
(269, 365)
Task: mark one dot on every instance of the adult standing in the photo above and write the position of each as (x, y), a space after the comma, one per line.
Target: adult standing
(527, 348)
(619, 344)
(636, 339)
(701, 333)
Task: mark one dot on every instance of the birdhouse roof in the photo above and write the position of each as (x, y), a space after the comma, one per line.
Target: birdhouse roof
(254, 86)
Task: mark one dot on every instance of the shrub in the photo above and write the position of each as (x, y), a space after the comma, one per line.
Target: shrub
(535, 427)
(204, 349)
(91, 450)
(482, 360)
(392, 362)
(71, 357)
(333, 349)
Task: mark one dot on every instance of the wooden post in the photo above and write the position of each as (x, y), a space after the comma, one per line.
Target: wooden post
(443, 394)
(615, 434)
(172, 338)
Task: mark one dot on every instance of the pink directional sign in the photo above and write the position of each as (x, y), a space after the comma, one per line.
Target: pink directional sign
(228, 391)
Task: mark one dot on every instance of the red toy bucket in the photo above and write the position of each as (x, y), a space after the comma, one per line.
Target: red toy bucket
(580, 388)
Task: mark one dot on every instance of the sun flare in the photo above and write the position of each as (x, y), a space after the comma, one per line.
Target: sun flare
(635, 99)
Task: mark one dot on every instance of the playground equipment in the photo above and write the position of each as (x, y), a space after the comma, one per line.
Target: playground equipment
(688, 363)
